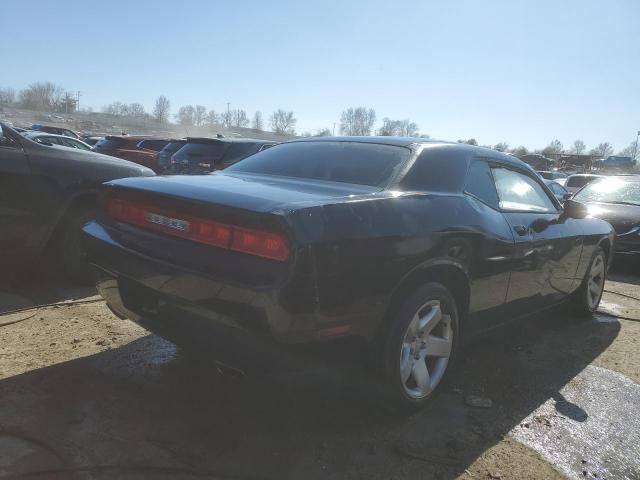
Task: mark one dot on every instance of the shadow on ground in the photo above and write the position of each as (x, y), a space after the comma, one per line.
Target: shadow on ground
(145, 411)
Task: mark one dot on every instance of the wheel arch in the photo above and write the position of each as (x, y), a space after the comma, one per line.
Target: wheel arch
(83, 198)
(446, 271)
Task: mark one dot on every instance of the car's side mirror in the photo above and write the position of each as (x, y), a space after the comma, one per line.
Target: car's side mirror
(574, 209)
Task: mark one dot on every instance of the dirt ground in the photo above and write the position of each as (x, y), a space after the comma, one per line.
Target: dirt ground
(85, 395)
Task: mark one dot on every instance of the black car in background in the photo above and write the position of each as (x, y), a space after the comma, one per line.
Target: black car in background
(164, 155)
(46, 194)
(203, 155)
(616, 199)
(402, 244)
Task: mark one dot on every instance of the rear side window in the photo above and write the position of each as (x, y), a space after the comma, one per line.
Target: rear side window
(480, 183)
(520, 192)
(346, 162)
(437, 170)
(238, 151)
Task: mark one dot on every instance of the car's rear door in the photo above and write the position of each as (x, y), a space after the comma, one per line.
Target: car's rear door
(547, 244)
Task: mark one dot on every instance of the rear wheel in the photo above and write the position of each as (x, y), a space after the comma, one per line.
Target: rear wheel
(587, 298)
(420, 345)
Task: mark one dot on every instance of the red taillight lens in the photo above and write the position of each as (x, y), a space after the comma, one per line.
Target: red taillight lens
(264, 244)
(274, 246)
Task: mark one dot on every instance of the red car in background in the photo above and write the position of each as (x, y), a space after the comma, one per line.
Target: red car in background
(135, 148)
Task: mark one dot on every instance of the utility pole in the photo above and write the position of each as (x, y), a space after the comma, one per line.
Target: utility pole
(635, 147)
(333, 132)
(78, 103)
(228, 115)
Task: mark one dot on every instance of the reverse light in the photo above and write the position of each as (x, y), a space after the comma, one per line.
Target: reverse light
(271, 245)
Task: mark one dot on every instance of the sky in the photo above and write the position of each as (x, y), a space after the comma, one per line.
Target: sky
(520, 71)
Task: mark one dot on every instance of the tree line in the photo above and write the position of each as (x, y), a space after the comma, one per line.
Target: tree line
(48, 96)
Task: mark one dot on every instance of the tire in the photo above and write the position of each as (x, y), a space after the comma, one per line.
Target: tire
(420, 346)
(72, 257)
(586, 299)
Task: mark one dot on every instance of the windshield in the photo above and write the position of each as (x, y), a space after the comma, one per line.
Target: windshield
(578, 181)
(357, 163)
(610, 190)
(172, 147)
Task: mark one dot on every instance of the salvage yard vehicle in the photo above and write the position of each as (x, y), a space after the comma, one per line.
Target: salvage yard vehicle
(616, 199)
(203, 155)
(57, 140)
(164, 155)
(403, 243)
(55, 130)
(577, 181)
(135, 148)
(46, 194)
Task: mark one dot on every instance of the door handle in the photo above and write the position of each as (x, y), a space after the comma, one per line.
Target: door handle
(521, 230)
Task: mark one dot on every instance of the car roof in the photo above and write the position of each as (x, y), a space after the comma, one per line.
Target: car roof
(226, 140)
(30, 134)
(416, 141)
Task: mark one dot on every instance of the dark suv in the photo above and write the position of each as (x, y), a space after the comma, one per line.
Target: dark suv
(202, 155)
(164, 155)
(135, 148)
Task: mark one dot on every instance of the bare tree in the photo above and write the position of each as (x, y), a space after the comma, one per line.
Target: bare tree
(185, 115)
(240, 118)
(501, 146)
(257, 122)
(227, 118)
(603, 150)
(325, 132)
(629, 151)
(114, 108)
(162, 109)
(390, 128)
(578, 147)
(213, 118)
(7, 96)
(199, 114)
(520, 151)
(357, 121)
(68, 103)
(554, 147)
(283, 122)
(41, 96)
(471, 141)
(136, 109)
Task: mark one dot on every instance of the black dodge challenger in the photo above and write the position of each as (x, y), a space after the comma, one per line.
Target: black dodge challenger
(404, 243)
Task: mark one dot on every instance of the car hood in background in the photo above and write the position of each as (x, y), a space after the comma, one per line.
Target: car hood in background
(621, 217)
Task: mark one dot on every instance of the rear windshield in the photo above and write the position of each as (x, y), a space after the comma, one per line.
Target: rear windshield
(155, 145)
(212, 151)
(546, 175)
(574, 182)
(108, 144)
(346, 162)
(173, 147)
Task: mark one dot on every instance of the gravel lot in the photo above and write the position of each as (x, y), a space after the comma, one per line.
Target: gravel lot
(84, 395)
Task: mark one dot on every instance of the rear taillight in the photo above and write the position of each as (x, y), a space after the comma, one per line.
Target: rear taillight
(263, 244)
(272, 245)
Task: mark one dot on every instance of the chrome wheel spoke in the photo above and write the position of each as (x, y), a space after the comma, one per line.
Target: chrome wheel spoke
(594, 289)
(420, 375)
(437, 347)
(406, 362)
(430, 320)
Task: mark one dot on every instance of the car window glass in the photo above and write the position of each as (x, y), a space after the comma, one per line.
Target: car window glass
(345, 162)
(520, 192)
(6, 141)
(480, 183)
(238, 151)
(437, 170)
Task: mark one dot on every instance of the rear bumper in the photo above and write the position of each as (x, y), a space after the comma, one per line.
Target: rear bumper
(171, 301)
